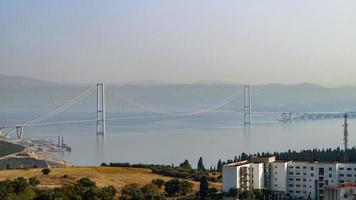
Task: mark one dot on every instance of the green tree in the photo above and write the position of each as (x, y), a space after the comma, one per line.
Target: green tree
(86, 183)
(203, 188)
(158, 182)
(5, 189)
(19, 184)
(248, 195)
(186, 187)
(107, 193)
(46, 171)
(200, 165)
(172, 187)
(33, 181)
(234, 192)
(185, 165)
(131, 192)
(219, 166)
(152, 192)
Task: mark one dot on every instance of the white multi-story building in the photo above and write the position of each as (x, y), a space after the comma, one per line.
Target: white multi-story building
(295, 179)
(344, 191)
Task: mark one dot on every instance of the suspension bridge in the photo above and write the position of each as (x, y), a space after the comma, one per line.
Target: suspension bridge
(101, 119)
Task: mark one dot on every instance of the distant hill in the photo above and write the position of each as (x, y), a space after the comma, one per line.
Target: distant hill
(26, 94)
(7, 148)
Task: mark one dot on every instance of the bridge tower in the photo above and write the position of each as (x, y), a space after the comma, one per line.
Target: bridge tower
(346, 135)
(100, 112)
(247, 105)
(19, 132)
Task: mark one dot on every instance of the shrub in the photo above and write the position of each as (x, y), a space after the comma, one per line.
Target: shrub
(46, 171)
(33, 181)
(158, 182)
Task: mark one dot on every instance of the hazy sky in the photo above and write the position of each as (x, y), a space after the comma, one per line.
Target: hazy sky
(246, 41)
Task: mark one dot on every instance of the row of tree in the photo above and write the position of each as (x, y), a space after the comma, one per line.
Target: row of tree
(331, 155)
(83, 189)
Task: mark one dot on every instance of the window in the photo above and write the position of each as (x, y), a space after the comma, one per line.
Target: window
(275, 185)
(312, 168)
(298, 173)
(297, 179)
(291, 179)
(349, 175)
(297, 185)
(275, 166)
(304, 167)
(290, 185)
(304, 179)
(297, 167)
(304, 174)
(330, 175)
(330, 169)
(290, 173)
(341, 168)
(312, 175)
(342, 175)
(349, 169)
(345, 196)
(290, 167)
(275, 179)
(297, 191)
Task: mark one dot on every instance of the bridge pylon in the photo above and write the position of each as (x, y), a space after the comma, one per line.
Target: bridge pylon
(100, 112)
(247, 105)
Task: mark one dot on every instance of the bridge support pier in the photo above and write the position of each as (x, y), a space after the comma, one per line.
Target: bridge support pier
(247, 105)
(100, 112)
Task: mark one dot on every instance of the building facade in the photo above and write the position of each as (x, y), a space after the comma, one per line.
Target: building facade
(292, 179)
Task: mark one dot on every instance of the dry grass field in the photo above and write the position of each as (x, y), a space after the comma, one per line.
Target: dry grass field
(103, 176)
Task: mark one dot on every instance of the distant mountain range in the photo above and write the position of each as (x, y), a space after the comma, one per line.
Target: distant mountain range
(28, 94)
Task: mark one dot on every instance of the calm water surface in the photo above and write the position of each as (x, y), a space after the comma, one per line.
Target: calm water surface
(171, 140)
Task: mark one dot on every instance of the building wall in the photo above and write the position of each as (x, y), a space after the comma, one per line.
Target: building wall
(230, 178)
(257, 175)
(279, 176)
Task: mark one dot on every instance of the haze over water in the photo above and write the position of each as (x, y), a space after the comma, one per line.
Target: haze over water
(171, 140)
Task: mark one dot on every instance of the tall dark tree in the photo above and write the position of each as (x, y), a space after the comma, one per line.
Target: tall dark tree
(200, 165)
(219, 166)
(203, 188)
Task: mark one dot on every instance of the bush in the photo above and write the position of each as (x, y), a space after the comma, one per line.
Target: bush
(186, 187)
(33, 181)
(172, 187)
(158, 182)
(46, 171)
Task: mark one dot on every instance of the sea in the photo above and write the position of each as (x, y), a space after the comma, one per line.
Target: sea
(171, 140)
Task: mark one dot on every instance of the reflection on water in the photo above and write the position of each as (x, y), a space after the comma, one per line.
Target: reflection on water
(172, 140)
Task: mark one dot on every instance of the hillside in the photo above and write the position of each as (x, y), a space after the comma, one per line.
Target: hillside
(7, 148)
(103, 176)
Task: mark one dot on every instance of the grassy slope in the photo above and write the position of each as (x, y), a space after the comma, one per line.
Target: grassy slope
(103, 176)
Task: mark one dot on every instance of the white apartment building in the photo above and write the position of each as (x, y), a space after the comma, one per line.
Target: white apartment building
(295, 179)
(344, 191)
